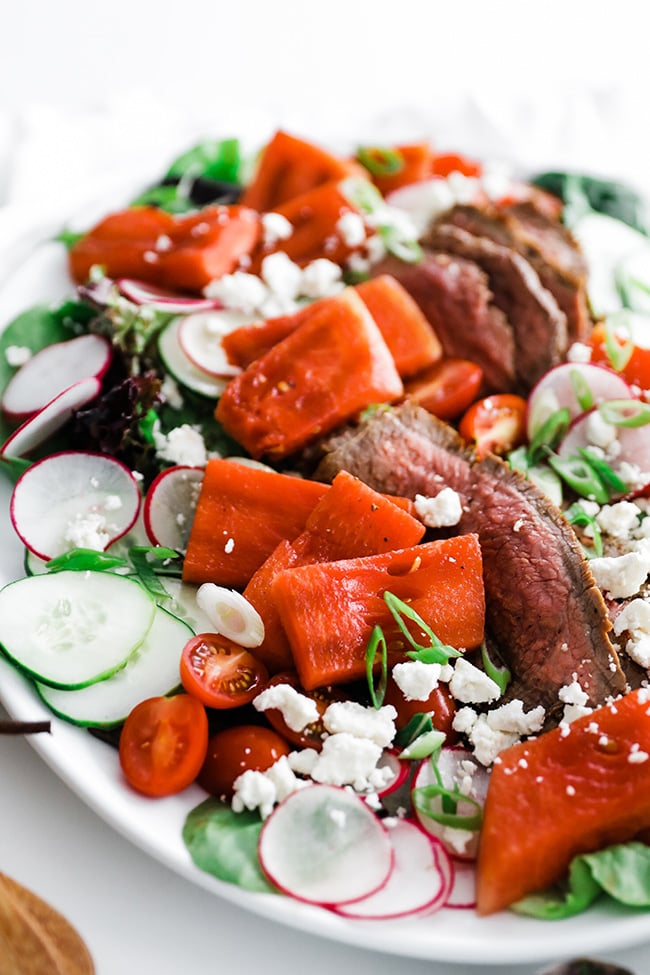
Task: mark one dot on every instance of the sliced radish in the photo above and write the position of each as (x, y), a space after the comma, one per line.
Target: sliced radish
(38, 428)
(184, 371)
(420, 881)
(458, 769)
(200, 337)
(399, 769)
(73, 500)
(463, 888)
(141, 293)
(564, 386)
(53, 370)
(633, 443)
(170, 504)
(324, 846)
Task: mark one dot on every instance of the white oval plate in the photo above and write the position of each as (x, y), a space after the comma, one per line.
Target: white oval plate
(91, 769)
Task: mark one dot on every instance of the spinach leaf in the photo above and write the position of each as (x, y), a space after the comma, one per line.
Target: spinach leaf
(621, 871)
(34, 329)
(224, 844)
(213, 159)
(583, 193)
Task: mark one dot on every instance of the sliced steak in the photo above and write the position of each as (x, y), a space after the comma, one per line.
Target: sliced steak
(455, 297)
(546, 244)
(539, 326)
(544, 610)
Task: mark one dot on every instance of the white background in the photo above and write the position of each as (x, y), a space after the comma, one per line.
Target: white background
(90, 91)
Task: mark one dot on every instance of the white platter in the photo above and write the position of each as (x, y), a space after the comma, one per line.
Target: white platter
(90, 768)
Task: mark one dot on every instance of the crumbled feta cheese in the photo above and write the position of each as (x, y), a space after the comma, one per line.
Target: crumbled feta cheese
(511, 717)
(637, 757)
(490, 733)
(297, 709)
(164, 243)
(275, 227)
(622, 576)
(470, 685)
(442, 511)
(171, 393)
(620, 519)
(183, 445)
(347, 760)
(240, 290)
(303, 761)
(599, 432)
(17, 355)
(254, 790)
(635, 619)
(579, 352)
(320, 279)
(112, 502)
(351, 229)
(281, 275)
(87, 530)
(575, 700)
(374, 724)
(416, 680)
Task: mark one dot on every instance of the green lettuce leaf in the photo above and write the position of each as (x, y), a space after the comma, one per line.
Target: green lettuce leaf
(621, 871)
(224, 843)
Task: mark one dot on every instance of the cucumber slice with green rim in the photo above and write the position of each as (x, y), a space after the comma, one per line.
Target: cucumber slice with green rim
(70, 629)
(152, 671)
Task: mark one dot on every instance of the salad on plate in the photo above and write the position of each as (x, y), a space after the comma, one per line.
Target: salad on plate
(332, 473)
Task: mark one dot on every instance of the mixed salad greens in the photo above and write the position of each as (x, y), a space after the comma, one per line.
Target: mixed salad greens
(352, 784)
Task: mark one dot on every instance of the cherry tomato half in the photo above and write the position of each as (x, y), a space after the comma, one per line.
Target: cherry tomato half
(219, 672)
(235, 750)
(636, 370)
(495, 424)
(312, 735)
(447, 388)
(440, 706)
(163, 744)
(445, 163)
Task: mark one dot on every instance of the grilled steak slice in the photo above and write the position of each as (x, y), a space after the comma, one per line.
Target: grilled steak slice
(546, 244)
(454, 296)
(539, 326)
(544, 610)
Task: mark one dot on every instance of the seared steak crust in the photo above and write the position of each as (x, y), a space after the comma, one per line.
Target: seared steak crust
(455, 297)
(544, 610)
(539, 326)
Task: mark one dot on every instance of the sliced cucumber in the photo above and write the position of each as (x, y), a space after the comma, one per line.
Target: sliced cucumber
(182, 604)
(153, 670)
(69, 629)
(184, 371)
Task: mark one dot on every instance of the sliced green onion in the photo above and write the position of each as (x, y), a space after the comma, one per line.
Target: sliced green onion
(147, 425)
(608, 476)
(141, 557)
(580, 476)
(549, 434)
(85, 559)
(618, 355)
(500, 675)
(436, 652)
(576, 515)
(625, 412)
(581, 390)
(424, 745)
(362, 194)
(419, 724)
(377, 642)
(423, 800)
(380, 160)
(408, 251)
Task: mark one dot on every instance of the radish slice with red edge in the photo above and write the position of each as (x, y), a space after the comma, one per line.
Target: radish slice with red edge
(400, 771)
(72, 500)
(633, 446)
(419, 883)
(458, 769)
(39, 427)
(53, 370)
(200, 335)
(575, 386)
(143, 294)
(322, 845)
(463, 888)
(170, 504)
(184, 371)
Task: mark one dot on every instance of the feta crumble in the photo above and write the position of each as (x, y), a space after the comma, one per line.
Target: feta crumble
(376, 725)
(416, 680)
(442, 511)
(469, 685)
(183, 445)
(17, 355)
(297, 709)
